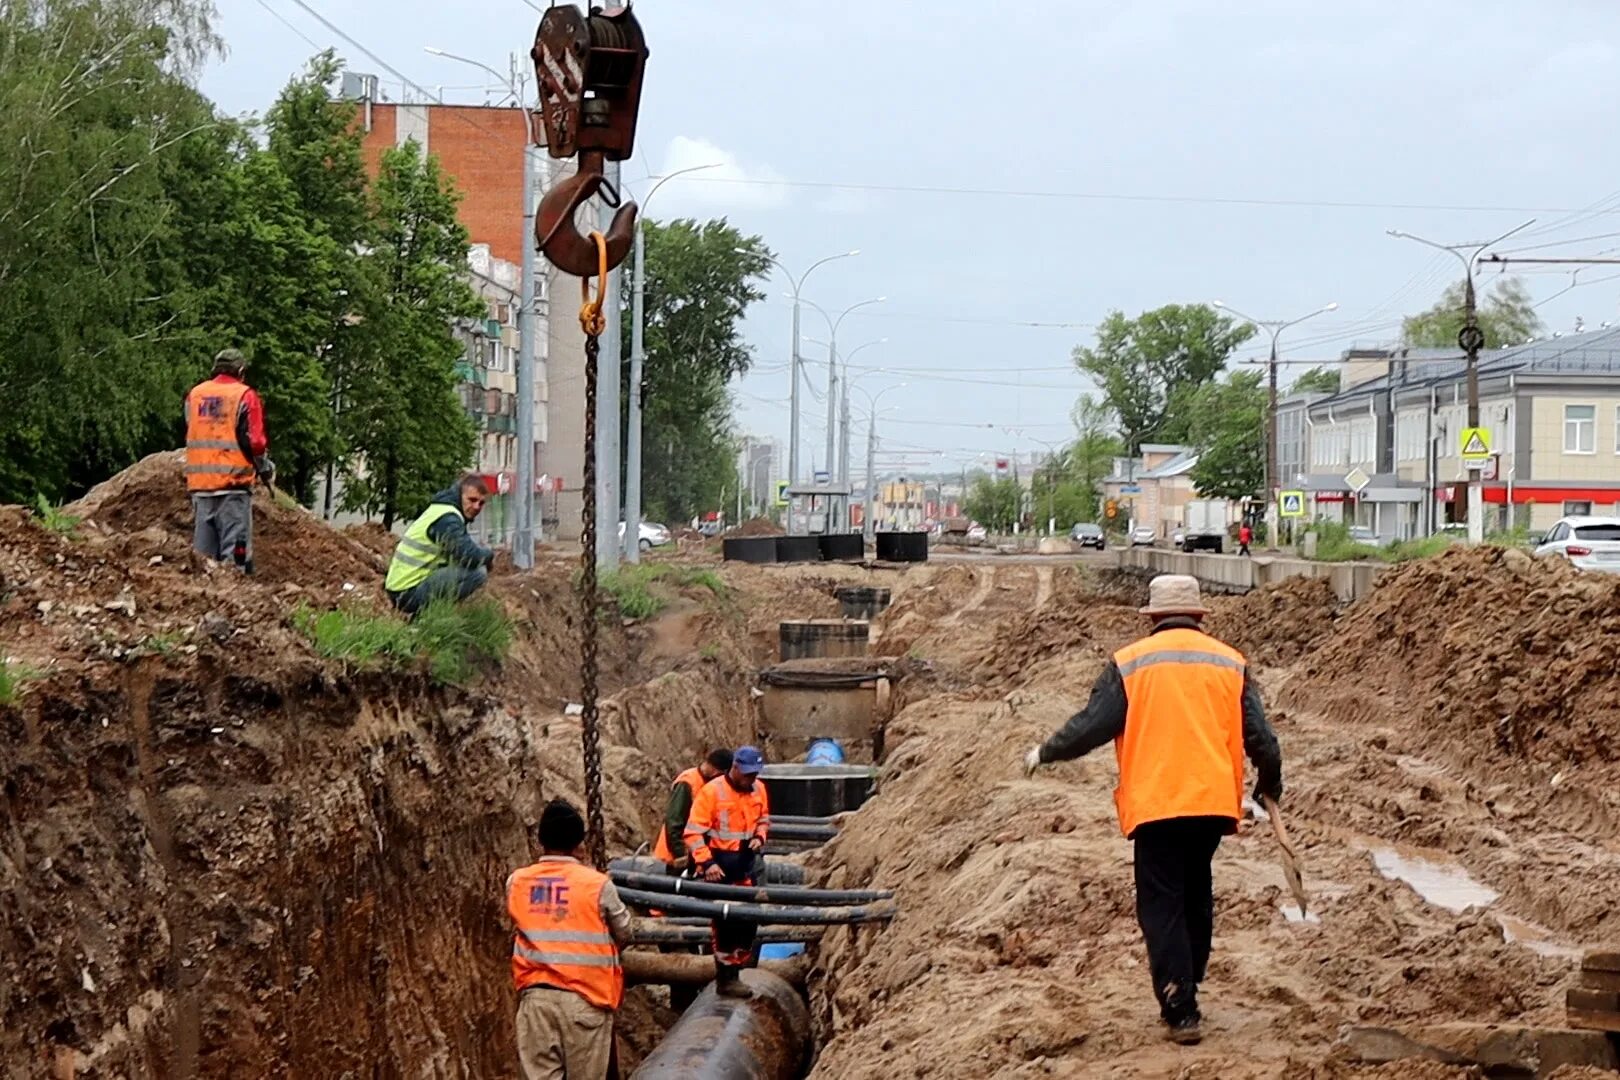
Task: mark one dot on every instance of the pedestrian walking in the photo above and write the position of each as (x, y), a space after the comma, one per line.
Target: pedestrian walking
(1245, 538)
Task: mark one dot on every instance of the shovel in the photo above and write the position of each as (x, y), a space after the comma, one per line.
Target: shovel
(1290, 858)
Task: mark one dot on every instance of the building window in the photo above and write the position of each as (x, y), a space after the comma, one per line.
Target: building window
(1577, 509)
(1580, 429)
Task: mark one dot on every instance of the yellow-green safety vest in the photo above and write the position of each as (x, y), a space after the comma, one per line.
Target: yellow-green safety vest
(417, 556)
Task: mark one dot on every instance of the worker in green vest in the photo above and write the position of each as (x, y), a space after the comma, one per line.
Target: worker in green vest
(436, 558)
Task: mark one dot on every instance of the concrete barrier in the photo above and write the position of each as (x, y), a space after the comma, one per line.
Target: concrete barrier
(1241, 574)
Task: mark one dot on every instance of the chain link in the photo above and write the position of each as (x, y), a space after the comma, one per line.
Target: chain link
(589, 734)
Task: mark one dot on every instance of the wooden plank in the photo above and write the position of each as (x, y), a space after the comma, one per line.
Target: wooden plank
(1601, 980)
(1593, 1021)
(1602, 960)
(1589, 1000)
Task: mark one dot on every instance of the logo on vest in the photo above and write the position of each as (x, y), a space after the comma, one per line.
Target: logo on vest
(552, 893)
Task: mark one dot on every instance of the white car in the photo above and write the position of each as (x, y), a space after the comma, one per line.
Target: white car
(650, 535)
(1589, 543)
(1144, 536)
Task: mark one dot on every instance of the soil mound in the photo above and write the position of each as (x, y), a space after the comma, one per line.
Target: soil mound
(1279, 623)
(757, 527)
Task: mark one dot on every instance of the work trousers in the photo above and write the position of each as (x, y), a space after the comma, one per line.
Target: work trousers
(1243, 549)
(733, 939)
(222, 527)
(561, 1036)
(453, 582)
(1175, 905)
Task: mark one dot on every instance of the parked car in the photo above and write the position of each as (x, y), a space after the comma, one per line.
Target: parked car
(1088, 535)
(649, 537)
(1361, 534)
(1589, 543)
(977, 534)
(1143, 536)
(1178, 538)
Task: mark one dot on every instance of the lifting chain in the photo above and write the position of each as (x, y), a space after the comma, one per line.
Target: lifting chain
(592, 322)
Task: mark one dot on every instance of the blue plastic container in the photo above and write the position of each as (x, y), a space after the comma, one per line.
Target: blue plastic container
(780, 950)
(824, 752)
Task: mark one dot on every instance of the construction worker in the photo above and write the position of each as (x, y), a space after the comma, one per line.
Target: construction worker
(226, 450)
(568, 925)
(436, 558)
(1181, 709)
(726, 833)
(671, 843)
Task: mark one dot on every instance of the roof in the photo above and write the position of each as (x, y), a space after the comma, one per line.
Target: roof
(1179, 465)
(1164, 448)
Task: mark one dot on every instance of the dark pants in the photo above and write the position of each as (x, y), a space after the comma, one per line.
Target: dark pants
(1243, 547)
(452, 582)
(1175, 904)
(734, 940)
(222, 527)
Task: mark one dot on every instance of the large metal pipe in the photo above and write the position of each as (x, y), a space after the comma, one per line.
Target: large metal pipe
(777, 871)
(762, 1037)
(749, 894)
(700, 934)
(755, 913)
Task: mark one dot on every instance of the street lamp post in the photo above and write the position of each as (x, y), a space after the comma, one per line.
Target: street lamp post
(638, 356)
(1275, 327)
(832, 378)
(868, 529)
(838, 462)
(1051, 483)
(523, 532)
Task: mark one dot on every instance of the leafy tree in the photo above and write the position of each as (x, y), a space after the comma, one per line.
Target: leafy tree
(403, 421)
(701, 280)
(1091, 458)
(1227, 422)
(996, 504)
(1146, 367)
(1318, 380)
(1505, 312)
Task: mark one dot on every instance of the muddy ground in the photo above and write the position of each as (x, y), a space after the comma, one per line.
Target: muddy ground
(226, 855)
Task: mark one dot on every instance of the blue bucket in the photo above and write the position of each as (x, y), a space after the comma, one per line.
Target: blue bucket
(825, 752)
(780, 950)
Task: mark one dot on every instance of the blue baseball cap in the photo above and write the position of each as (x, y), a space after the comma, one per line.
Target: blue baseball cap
(748, 760)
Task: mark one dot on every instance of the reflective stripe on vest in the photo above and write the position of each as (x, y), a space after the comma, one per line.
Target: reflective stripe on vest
(214, 459)
(725, 819)
(694, 781)
(561, 939)
(417, 555)
(1181, 754)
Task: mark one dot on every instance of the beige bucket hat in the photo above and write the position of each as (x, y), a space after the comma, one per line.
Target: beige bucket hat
(1174, 594)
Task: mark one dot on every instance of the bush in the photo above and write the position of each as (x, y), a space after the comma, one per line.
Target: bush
(454, 639)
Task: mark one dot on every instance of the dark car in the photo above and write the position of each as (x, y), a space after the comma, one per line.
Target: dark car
(1088, 535)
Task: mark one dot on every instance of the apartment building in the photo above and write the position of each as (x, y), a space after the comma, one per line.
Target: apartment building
(1154, 488)
(1551, 409)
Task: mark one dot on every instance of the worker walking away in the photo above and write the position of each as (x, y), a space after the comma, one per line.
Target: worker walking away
(726, 834)
(437, 558)
(1181, 709)
(569, 923)
(671, 843)
(1245, 538)
(226, 451)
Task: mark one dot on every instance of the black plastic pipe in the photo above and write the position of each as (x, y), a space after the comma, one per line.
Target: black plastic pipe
(792, 831)
(777, 871)
(763, 894)
(803, 819)
(762, 1037)
(755, 913)
(699, 935)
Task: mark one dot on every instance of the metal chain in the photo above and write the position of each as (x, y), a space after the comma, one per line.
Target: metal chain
(590, 736)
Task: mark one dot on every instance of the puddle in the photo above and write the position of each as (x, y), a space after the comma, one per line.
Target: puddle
(1444, 885)
(1538, 939)
(1291, 913)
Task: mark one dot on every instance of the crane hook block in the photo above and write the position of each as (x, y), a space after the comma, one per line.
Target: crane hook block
(589, 69)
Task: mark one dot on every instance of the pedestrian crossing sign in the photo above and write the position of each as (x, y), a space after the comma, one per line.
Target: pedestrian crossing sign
(781, 493)
(1476, 445)
(1291, 503)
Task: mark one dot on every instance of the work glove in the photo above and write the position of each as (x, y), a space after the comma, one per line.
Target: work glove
(1032, 761)
(1262, 789)
(712, 872)
(265, 468)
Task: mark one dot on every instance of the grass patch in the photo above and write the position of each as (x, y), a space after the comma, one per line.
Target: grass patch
(13, 678)
(52, 518)
(164, 644)
(453, 639)
(1333, 544)
(642, 590)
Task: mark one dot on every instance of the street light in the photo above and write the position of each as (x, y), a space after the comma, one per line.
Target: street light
(867, 529)
(638, 356)
(523, 533)
(1276, 327)
(1051, 483)
(832, 377)
(793, 367)
(841, 473)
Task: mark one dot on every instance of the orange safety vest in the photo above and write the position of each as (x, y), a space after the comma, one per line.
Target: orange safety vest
(725, 819)
(1181, 754)
(693, 779)
(214, 459)
(562, 940)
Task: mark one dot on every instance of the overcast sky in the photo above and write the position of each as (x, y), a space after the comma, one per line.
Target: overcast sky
(1078, 157)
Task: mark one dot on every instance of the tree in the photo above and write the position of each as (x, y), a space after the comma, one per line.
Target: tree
(996, 504)
(1091, 458)
(1227, 421)
(1318, 380)
(1505, 312)
(1146, 367)
(700, 283)
(403, 421)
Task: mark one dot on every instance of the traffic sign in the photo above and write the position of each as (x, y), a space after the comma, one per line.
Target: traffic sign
(1291, 503)
(781, 493)
(1356, 479)
(1476, 447)
(1111, 509)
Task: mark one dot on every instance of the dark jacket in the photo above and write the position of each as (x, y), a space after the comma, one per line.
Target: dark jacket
(450, 533)
(1103, 719)
(676, 811)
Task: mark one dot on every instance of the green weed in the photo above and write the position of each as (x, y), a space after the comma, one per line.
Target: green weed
(164, 644)
(452, 639)
(52, 518)
(13, 678)
(644, 589)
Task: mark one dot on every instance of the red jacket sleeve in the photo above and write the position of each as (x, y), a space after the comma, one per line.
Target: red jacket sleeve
(258, 441)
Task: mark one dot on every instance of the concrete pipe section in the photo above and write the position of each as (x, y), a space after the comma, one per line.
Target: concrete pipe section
(762, 1037)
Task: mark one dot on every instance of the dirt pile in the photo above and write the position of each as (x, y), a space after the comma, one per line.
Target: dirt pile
(756, 527)
(1076, 619)
(1278, 623)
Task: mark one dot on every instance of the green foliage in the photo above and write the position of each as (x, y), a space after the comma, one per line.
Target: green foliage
(642, 590)
(1333, 544)
(357, 634)
(1227, 425)
(1146, 367)
(701, 280)
(52, 518)
(453, 639)
(1506, 313)
(163, 644)
(1318, 380)
(14, 678)
(996, 504)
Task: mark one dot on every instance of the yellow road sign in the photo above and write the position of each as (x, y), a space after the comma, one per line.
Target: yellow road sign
(1475, 444)
(1291, 503)
(781, 493)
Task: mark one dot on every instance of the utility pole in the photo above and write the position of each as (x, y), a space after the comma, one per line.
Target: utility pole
(868, 526)
(1273, 485)
(1470, 339)
(608, 509)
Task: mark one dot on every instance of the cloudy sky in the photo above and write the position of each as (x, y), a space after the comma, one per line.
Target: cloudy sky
(1011, 173)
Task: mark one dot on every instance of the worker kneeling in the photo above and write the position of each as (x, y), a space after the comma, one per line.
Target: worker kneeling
(726, 834)
(1181, 710)
(569, 923)
(436, 558)
(671, 843)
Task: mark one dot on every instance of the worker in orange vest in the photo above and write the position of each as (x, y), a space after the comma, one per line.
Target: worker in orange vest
(726, 834)
(1182, 711)
(671, 843)
(226, 450)
(569, 923)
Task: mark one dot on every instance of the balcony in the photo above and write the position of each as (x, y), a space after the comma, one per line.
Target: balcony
(500, 425)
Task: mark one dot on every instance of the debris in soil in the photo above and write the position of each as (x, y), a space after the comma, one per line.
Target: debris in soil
(1278, 623)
